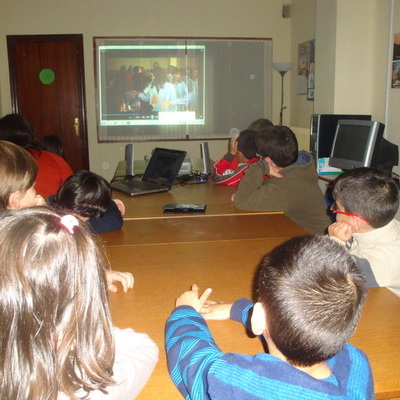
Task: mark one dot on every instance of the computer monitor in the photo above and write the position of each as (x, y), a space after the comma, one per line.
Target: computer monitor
(361, 144)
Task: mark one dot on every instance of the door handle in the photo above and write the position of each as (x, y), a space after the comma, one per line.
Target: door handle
(76, 126)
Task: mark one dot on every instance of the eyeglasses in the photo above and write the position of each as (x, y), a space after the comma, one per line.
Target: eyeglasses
(334, 209)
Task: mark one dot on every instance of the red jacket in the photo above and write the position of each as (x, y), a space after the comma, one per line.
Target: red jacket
(53, 170)
(228, 171)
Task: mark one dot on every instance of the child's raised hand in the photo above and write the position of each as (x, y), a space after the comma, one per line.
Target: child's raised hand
(125, 278)
(233, 145)
(191, 298)
(216, 310)
(341, 230)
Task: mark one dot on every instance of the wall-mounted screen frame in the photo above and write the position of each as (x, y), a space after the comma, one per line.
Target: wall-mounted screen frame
(157, 89)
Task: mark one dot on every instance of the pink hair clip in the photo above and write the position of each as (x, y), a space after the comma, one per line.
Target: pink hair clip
(69, 221)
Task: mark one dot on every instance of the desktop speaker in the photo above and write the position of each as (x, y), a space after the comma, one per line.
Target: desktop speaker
(130, 159)
(205, 156)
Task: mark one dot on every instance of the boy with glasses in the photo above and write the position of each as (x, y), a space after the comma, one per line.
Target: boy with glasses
(366, 202)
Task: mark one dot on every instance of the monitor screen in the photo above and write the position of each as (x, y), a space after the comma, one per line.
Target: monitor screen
(356, 143)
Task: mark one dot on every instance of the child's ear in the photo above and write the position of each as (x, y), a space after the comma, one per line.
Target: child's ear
(258, 319)
(14, 200)
(358, 224)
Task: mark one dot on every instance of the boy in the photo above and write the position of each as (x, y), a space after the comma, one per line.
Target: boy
(242, 152)
(18, 172)
(284, 179)
(366, 202)
(310, 296)
(88, 195)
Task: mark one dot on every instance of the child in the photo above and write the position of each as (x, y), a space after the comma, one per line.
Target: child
(57, 339)
(310, 296)
(284, 179)
(242, 152)
(366, 202)
(52, 169)
(18, 171)
(88, 195)
(53, 144)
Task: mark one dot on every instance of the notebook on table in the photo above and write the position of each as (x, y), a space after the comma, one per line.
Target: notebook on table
(159, 176)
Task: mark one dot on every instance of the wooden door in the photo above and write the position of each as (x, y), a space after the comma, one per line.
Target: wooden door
(47, 85)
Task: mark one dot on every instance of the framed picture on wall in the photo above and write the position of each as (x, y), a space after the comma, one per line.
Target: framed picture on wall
(306, 69)
(396, 62)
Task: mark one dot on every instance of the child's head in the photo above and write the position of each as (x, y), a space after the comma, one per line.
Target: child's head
(312, 294)
(18, 129)
(279, 144)
(246, 143)
(56, 327)
(86, 194)
(54, 144)
(367, 192)
(18, 171)
(260, 124)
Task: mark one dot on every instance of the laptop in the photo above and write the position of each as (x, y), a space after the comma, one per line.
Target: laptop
(159, 176)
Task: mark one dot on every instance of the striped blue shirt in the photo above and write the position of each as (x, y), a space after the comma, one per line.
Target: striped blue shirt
(201, 371)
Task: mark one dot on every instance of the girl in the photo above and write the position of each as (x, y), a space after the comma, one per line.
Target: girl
(57, 339)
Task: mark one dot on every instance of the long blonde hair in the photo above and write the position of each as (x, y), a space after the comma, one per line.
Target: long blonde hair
(56, 333)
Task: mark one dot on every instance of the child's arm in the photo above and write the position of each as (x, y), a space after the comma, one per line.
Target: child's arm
(255, 191)
(239, 311)
(135, 358)
(111, 221)
(190, 348)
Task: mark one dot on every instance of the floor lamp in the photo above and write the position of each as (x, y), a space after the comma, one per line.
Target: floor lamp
(282, 68)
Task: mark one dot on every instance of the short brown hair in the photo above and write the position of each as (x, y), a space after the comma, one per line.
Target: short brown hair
(368, 192)
(313, 293)
(278, 143)
(18, 171)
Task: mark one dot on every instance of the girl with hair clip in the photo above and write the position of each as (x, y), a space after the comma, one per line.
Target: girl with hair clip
(57, 338)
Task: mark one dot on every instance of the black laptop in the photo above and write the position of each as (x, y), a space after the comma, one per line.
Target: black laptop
(159, 176)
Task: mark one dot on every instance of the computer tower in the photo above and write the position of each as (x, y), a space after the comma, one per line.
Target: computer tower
(323, 128)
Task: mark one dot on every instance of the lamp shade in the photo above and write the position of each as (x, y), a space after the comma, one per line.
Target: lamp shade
(282, 66)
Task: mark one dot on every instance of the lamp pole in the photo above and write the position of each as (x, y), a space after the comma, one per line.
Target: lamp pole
(282, 106)
(282, 68)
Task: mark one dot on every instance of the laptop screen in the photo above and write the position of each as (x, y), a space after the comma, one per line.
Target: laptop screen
(164, 166)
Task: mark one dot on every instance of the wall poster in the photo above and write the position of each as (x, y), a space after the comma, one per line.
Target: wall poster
(306, 69)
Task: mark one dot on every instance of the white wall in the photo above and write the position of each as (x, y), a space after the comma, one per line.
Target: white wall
(208, 18)
(393, 95)
(303, 30)
(351, 52)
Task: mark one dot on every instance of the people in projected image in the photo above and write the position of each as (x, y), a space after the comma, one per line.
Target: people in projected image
(181, 92)
(170, 73)
(193, 90)
(148, 92)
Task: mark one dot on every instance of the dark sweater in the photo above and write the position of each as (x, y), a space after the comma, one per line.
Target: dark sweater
(296, 194)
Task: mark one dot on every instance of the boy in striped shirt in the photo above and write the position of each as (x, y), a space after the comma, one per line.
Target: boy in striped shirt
(310, 295)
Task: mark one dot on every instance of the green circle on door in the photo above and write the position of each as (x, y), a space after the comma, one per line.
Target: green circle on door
(47, 76)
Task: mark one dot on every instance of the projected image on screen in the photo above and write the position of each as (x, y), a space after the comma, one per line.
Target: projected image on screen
(151, 85)
(150, 88)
